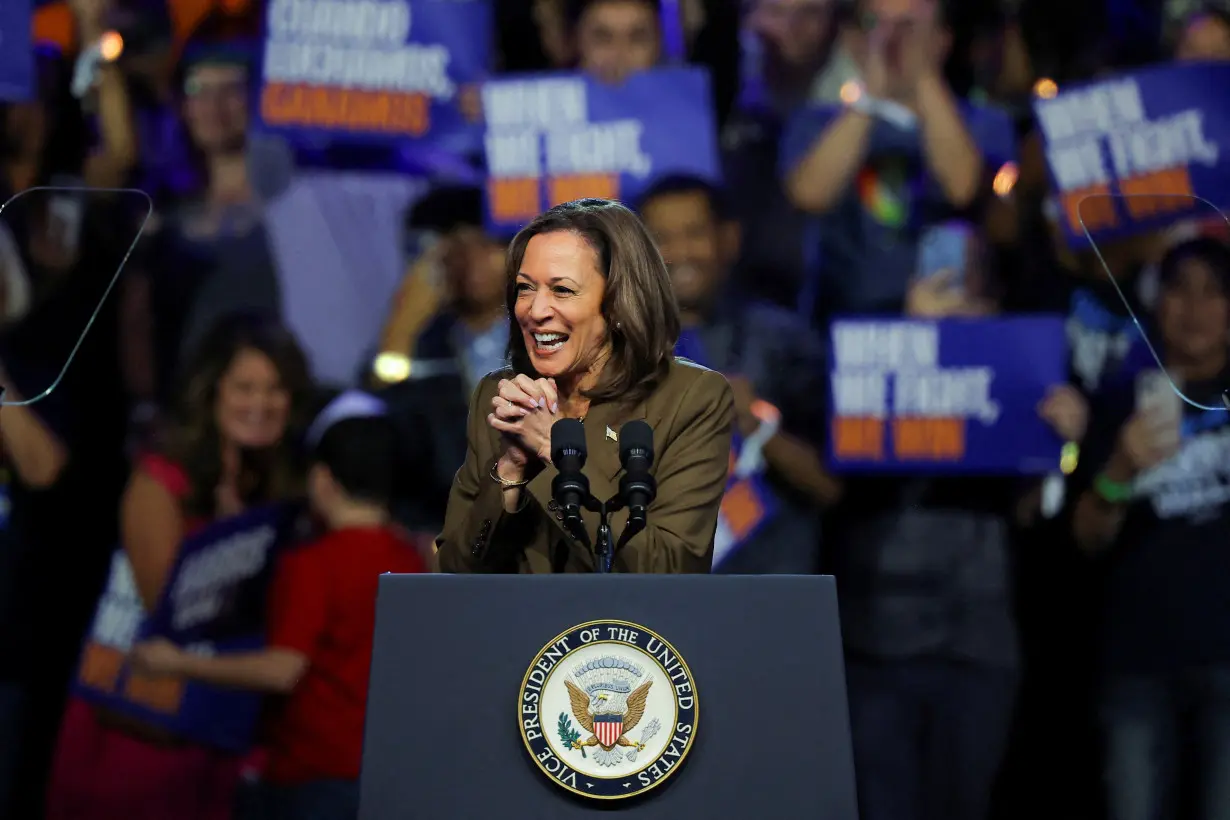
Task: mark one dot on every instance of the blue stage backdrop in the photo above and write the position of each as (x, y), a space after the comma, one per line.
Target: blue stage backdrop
(1138, 149)
(949, 396)
(552, 138)
(16, 51)
(213, 602)
(387, 75)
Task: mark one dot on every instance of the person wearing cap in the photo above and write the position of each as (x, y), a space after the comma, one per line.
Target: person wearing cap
(321, 619)
(1153, 484)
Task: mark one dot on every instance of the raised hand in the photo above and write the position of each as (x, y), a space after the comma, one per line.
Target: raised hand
(1066, 411)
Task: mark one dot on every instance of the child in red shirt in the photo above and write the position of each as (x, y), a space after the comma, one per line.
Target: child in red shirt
(321, 619)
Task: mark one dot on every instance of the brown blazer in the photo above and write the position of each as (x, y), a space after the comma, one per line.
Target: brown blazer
(692, 416)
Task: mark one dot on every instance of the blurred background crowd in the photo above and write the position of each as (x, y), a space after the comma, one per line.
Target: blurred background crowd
(1004, 658)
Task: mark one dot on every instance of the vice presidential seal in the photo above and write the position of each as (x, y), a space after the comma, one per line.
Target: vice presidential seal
(608, 710)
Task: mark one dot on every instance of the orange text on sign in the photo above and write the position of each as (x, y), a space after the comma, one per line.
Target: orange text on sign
(741, 508)
(579, 186)
(1160, 193)
(345, 109)
(858, 438)
(158, 694)
(1156, 194)
(514, 199)
(928, 439)
(100, 667)
(1093, 206)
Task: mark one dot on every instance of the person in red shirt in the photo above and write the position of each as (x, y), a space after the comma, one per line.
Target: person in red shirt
(321, 619)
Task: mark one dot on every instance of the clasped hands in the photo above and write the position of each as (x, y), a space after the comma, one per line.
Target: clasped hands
(902, 53)
(523, 410)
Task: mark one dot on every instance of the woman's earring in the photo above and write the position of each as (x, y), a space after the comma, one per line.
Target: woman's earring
(619, 325)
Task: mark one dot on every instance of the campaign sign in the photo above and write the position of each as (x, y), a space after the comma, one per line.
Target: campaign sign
(16, 51)
(946, 396)
(366, 72)
(553, 138)
(214, 602)
(1138, 152)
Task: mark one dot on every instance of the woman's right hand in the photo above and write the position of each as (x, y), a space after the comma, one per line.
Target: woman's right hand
(1145, 441)
(514, 400)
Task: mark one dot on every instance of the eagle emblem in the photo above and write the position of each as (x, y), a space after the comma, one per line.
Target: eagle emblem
(607, 710)
(607, 697)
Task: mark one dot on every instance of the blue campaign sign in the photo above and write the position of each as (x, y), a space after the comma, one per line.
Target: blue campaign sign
(947, 396)
(213, 602)
(389, 74)
(16, 51)
(552, 138)
(1139, 151)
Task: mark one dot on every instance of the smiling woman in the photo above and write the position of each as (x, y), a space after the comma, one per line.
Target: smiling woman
(231, 444)
(593, 326)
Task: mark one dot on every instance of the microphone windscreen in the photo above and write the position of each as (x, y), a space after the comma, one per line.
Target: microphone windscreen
(567, 434)
(635, 435)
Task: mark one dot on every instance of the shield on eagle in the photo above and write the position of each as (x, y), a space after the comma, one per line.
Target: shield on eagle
(608, 729)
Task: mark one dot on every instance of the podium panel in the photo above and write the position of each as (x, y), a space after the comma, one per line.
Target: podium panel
(751, 665)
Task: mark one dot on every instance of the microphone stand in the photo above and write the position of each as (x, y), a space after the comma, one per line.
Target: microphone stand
(604, 551)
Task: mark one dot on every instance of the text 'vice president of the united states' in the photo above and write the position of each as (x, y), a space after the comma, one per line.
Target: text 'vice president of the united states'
(593, 327)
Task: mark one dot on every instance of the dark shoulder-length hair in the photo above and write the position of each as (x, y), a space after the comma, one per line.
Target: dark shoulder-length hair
(642, 317)
(192, 437)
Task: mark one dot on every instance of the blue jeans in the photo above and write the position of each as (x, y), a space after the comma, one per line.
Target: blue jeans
(929, 736)
(1164, 732)
(317, 800)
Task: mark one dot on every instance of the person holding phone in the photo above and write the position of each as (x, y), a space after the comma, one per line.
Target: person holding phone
(1154, 509)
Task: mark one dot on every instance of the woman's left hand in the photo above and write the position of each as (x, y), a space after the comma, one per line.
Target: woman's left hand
(1066, 411)
(156, 657)
(525, 409)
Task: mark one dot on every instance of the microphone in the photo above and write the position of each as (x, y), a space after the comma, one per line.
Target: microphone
(637, 486)
(570, 488)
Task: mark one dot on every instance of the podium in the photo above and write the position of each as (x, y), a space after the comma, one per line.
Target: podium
(570, 696)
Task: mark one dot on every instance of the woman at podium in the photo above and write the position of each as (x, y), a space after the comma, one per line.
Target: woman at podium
(593, 325)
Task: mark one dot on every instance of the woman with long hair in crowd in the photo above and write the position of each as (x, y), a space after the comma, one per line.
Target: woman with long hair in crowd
(231, 444)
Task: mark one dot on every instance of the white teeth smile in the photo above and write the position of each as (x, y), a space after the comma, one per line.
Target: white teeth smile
(549, 341)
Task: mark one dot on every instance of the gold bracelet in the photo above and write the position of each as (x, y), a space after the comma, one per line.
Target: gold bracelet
(505, 484)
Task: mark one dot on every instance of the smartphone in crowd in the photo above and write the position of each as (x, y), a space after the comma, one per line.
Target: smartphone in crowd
(949, 246)
(1156, 395)
(1157, 398)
